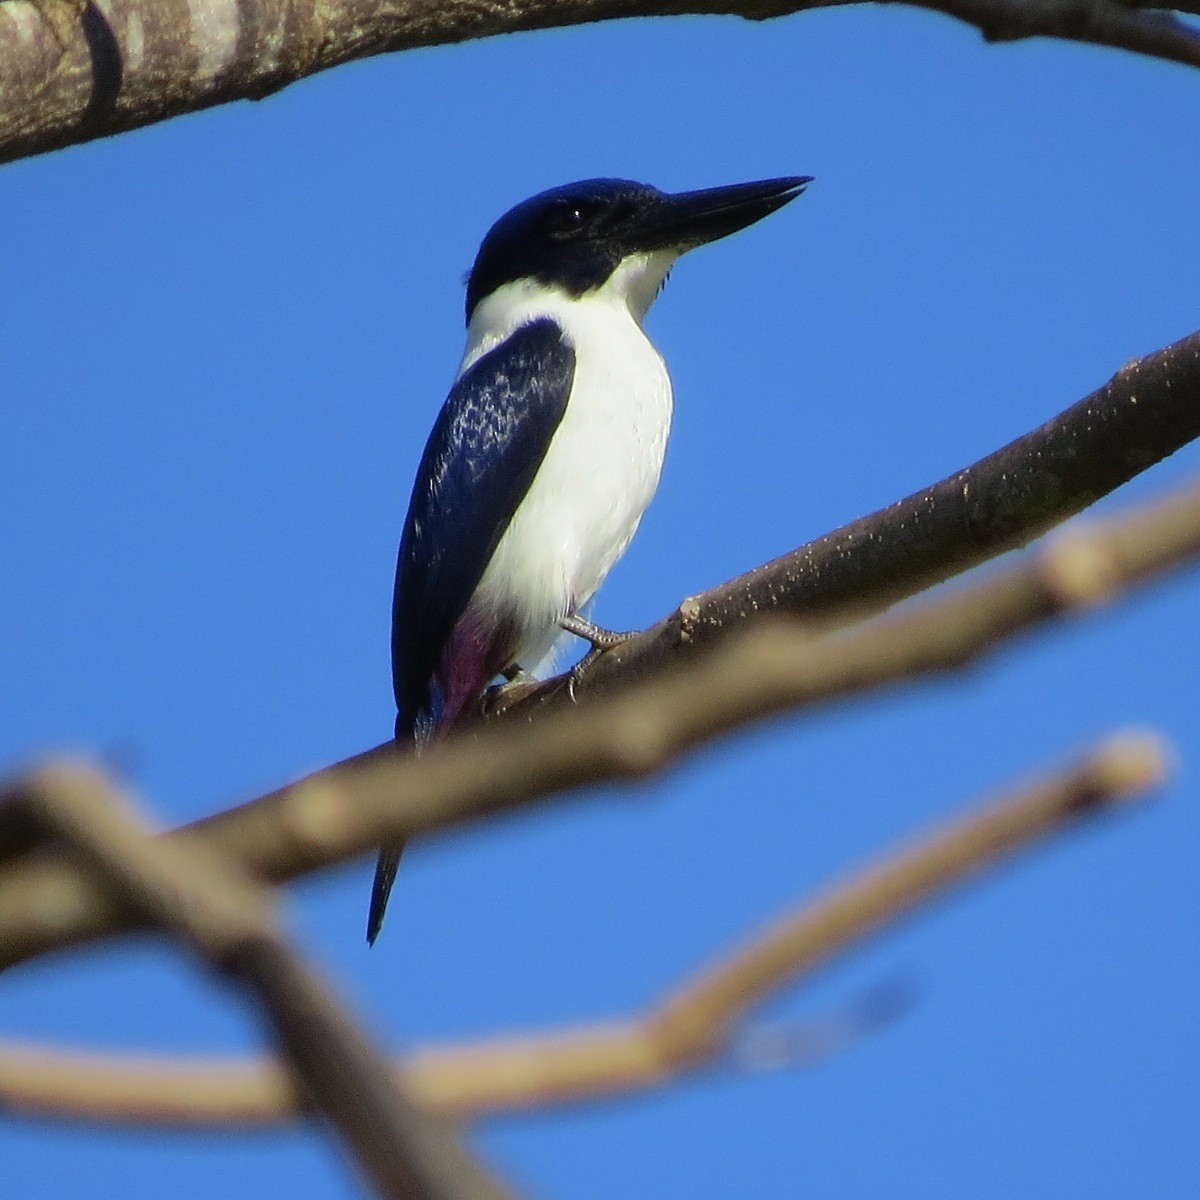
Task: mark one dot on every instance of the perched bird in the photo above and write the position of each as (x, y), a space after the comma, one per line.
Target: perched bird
(549, 447)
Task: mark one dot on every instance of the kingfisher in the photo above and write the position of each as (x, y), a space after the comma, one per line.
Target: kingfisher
(550, 445)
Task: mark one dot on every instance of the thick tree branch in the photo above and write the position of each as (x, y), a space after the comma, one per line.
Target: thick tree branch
(383, 795)
(225, 919)
(74, 70)
(1146, 412)
(685, 1032)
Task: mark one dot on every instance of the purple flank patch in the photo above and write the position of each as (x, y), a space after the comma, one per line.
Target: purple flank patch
(476, 651)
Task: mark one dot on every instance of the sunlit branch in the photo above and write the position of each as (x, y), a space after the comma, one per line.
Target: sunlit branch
(74, 70)
(1145, 412)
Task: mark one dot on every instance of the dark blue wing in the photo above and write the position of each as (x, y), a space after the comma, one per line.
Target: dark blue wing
(488, 442)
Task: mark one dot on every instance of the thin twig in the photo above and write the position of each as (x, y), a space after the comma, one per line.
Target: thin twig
(226, 920)
(682, 1033)
(1157, 34)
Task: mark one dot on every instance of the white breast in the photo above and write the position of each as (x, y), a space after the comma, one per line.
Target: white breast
(604, 462)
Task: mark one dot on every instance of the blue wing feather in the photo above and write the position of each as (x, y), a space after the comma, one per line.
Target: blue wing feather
(485, 449)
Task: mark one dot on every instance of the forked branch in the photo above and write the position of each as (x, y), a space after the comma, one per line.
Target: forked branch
(225, 918)
(685, 1032)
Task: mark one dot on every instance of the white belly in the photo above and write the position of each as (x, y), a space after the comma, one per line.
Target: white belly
(598, 476)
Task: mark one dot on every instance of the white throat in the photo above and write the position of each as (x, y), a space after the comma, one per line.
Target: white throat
(625, 296)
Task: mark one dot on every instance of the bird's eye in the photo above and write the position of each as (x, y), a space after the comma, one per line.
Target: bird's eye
(568, 219)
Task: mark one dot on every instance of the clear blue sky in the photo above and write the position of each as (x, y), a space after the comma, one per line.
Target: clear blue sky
(224, 339)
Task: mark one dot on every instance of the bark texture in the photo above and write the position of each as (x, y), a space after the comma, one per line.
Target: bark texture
(74, 70)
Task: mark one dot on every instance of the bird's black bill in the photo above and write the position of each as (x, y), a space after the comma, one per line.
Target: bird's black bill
(688, 219)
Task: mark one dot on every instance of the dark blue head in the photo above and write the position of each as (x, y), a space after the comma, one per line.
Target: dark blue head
(573, 237)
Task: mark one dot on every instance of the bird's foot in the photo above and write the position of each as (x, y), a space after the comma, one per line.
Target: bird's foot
(518, 684)
(601, 639)
(515, 673)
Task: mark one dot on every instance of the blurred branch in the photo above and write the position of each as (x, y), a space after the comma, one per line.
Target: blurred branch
(226, 920)
(683, 1033)
(384, 795)
(75, 70)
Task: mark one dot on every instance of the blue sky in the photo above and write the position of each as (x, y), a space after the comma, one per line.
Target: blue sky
(225, 339)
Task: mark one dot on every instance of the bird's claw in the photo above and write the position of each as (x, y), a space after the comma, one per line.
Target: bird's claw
(577, 672)
(599, 639)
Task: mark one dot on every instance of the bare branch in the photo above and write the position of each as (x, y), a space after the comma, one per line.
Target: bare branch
(226, 920)
(683, 1033)
(74, 70)
(1147, 411)
(383, 795)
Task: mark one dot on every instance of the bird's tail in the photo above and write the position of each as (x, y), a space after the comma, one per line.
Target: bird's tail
(385, 876)
(412, 731)
(478, 654)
